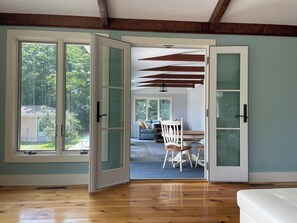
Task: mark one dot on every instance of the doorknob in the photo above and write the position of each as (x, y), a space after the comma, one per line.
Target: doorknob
(244, 116)
(98, 112)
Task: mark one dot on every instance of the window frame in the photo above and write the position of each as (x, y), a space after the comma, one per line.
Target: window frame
(152, 98)
(14, 37)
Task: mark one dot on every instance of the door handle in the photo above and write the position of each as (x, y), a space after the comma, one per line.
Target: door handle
(244, 116)
(98, 112)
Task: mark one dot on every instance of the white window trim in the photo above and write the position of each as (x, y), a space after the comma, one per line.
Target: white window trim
(11, 107)
(152, 98)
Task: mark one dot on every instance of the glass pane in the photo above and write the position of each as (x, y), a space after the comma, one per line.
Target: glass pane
(228, 70)
(228, 109)
(77, 97)
(113, 66)
(38, 72)
(112, 152)
(140, 109)
(113, 106)
(228, 148)
(164, 109)
(152, 109)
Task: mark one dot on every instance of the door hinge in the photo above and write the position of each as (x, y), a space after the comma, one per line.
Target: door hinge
(207, 60)
(207, 165)
(207, 113)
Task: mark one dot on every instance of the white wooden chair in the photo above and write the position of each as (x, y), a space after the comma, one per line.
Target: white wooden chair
(172, 132)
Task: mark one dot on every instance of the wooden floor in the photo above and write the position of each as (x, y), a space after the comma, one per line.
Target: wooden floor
(138, 201)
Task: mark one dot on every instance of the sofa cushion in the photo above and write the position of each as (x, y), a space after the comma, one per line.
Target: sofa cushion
(147, 130)
(142, 124)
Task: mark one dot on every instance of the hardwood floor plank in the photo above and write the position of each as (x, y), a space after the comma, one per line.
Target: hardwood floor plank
(138, 201)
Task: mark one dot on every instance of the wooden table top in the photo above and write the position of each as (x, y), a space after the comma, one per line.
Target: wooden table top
(193, 132)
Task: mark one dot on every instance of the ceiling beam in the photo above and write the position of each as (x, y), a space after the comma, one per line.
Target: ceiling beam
(176, 68)
(103, 11)
(14, 19)
(175, 76)
(178, 57)
(161, 81)
(169, 85)
(217, 14)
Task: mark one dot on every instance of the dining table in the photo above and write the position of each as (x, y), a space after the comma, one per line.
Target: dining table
(189, 136)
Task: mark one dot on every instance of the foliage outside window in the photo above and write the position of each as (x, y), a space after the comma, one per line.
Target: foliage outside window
(38, 72)
(152, 109)
(39, 93)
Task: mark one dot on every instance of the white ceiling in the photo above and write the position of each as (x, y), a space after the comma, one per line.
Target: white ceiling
(281, 12)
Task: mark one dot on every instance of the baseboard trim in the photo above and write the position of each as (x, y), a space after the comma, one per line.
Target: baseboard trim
(44, 180)
(82, 179)
(273, 177)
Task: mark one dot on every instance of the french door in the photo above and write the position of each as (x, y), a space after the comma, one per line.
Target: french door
(109, 162)
(228, 114)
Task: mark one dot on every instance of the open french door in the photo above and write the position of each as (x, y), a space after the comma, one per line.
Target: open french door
(228, 114)
(109, 162)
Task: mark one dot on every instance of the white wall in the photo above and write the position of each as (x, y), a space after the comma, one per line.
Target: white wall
(196, 108)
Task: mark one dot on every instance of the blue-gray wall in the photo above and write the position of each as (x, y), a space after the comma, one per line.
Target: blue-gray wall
(272, 103)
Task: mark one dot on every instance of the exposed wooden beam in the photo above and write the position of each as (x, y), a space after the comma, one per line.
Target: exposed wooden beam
(166, 81)
(14, 19)
(103, 11)
(217, 14)
(178, 57)
(176, 68)
(175, 76)
(169, 85)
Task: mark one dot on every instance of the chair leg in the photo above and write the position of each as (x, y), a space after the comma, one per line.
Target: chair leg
(181, 162)
(197, 158)
(198, 155)
(190, 159)
(165, 159)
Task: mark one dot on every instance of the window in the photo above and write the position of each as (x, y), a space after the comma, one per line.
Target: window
(47, 116)
(152, 109)
(37, 100)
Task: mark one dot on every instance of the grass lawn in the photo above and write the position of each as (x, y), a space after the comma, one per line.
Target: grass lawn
(50, 146)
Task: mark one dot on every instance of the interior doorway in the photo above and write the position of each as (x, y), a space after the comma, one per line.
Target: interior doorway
(188, 102)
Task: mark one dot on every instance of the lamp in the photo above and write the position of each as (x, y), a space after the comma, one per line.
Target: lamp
(163, 88)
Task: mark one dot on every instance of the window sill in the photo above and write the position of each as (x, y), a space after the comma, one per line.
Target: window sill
(49, 158)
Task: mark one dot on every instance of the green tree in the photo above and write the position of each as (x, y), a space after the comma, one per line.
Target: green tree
(38, 62)
(48, 122)
(39, 78)
(78, 83)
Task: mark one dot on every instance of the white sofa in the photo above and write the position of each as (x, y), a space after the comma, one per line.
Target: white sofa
(268, 205)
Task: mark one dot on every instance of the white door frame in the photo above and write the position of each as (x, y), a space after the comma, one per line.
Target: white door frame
(181, 43)
(229, 173)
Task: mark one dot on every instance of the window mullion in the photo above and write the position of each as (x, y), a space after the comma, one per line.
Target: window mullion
(159, 113)
(60, 97)
(146, 107)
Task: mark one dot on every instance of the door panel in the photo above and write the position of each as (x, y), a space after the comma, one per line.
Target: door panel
(228, 139)
(110, 113)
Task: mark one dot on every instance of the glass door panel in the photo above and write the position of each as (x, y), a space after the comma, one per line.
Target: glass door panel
(228, 66)
(228, 148)
(228, 107)
(115, 158)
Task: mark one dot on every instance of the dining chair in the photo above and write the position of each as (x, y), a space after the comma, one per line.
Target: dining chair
(172, 132)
